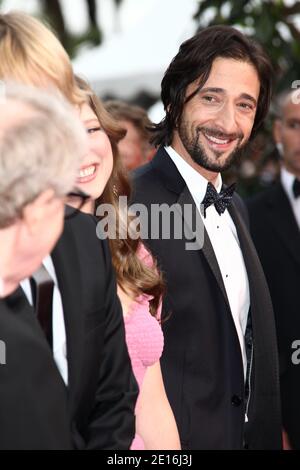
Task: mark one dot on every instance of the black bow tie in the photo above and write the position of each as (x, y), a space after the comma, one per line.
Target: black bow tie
(296, 187)
(220, 200)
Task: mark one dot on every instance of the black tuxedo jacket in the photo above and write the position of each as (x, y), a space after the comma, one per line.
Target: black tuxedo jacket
(201, 363)
(277, 239)
(33, 397)
(102, 391)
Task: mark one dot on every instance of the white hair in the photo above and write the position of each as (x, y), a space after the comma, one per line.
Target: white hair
(41, 147)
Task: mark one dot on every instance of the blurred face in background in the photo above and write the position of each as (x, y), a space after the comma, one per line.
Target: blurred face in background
(131, 147)
(98, 162)
(287, 133)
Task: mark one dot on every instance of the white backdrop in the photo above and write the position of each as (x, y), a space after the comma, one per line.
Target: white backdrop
(136, 59)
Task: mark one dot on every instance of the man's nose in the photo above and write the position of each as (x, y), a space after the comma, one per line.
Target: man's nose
(226, 118)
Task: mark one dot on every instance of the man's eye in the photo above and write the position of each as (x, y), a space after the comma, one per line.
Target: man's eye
(209, 98)
(246, 106)
(92, 130)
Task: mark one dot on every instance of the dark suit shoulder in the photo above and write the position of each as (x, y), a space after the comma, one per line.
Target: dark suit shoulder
(264, 197)
(144, 177)
(81, 222)
(142, 171)
(261, 206)
(83, 228)
(91, 249)
(147, 186)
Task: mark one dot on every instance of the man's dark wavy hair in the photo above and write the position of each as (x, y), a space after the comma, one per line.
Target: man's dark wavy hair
(194, 61)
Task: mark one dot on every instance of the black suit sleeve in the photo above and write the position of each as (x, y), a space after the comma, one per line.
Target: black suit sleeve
(112, 422)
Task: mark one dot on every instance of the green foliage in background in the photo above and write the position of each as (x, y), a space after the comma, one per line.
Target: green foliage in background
(271, 22)
(52, 12)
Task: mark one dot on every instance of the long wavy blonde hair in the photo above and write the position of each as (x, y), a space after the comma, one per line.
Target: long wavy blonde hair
(31, 54)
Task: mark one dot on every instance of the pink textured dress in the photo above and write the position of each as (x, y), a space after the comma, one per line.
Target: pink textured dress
(144, 338)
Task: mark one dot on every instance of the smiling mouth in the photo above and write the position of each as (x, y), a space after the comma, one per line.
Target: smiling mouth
(217, 142)
(87, 174)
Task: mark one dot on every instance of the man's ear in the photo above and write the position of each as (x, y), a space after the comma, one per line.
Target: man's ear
(277, 131)
(34, 212)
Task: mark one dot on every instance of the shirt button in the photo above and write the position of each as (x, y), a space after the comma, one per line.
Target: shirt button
(236, 400)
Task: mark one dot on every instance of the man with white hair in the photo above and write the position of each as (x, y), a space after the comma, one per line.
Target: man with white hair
(41, 146)
(36, 173)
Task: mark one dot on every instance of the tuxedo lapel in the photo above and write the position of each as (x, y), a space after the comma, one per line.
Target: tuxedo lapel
(68, 274)
(19, 308)
(282, 218)
(262, 318)
(201, 240)
(249, 253)
(259, 294)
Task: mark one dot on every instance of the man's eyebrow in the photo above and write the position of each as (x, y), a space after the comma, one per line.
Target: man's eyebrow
(212, 90)
(244, 96)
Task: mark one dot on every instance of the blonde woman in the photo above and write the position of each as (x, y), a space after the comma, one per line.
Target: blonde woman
(139, 285)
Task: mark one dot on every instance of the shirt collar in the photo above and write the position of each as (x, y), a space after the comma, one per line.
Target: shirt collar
(196, 183)
(48, 263)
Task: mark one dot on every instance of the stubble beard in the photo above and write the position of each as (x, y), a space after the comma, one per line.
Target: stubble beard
(199, 155)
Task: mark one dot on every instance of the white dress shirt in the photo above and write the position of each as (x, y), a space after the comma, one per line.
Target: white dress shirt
(287, 180)
(224, 239)
(58, 323)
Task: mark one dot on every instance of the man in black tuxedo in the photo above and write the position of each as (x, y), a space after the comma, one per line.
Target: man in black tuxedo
(275, 227)
(84, 396)
(220, 358)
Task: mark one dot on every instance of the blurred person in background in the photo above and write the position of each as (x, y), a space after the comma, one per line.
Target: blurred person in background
(135, 148)
(88, 330)
(42, 145)
(275, 228)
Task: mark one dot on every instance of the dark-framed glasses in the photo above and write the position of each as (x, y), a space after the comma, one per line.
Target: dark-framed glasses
(74, 202)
